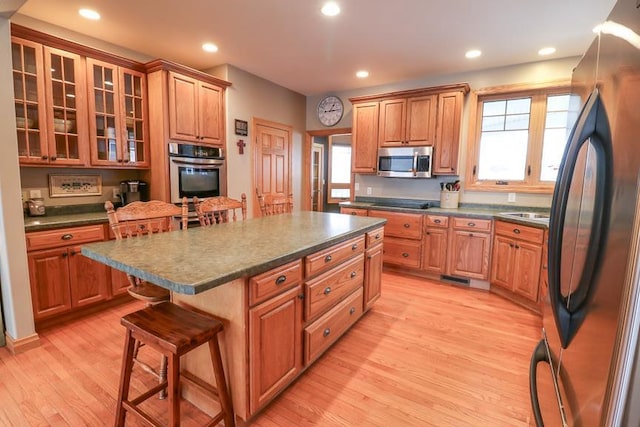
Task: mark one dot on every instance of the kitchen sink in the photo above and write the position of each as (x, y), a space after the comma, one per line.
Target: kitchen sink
(527, 215)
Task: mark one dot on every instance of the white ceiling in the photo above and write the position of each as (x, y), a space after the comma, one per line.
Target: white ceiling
(290, 43)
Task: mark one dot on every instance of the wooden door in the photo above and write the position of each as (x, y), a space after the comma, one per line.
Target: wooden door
(469, 254)
(421, 120)
(210, 123)
(435, 250)
(372, 275)
(183, 108)
(272, 159)
(526, 275)
(502, 262)
(49, 279)
(364, 148)
(447, 140)
(119, 282)
(88, 279)
(275, 346)
(393, 114)
(317, 177)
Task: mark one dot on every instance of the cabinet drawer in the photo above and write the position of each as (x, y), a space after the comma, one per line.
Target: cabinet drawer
(402, 252)
(272, 282)
(520, 232)
(330, 257)
(64, 237)
(324, 291)
(354, 211)
(437, 221)
(326, 330)
(472, 224)
(374, 237)
(407, 226)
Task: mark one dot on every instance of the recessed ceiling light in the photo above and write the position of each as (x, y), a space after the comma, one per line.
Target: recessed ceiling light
(89, 14)
(209, 47)
(330, 8)
(474, 53)
(546, 51)
(362, 74)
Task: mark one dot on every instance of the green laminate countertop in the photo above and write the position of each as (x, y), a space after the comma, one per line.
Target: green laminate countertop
(48, 222)
(201, 258)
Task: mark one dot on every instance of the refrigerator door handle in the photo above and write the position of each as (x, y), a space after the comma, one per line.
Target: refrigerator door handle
(592, 126)
(541, 354)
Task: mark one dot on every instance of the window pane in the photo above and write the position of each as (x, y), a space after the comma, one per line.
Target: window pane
(558, 123)
(340, 193)
(503, 155)
(557, 120)
(340, 164)
(558, 103)
(494, 108)
(519, 106)
(517, 122)
(492, 123)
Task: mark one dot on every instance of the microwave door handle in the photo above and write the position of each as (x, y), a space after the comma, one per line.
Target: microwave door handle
(200, 163)
(415, 163)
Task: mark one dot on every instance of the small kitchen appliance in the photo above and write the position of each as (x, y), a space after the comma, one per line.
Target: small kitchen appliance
(36, 206)
(133, 191)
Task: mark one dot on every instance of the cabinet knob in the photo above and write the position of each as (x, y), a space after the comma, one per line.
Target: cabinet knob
(470, 234)
(354, 247)
(326, 332)
(73, 253)
(407, 226)
(353, 274)
(437, 221)
(516, 230)
(67, 236)
(471, 224)
(352, 310)
(353, 213)
(517, 247)
(44, 157)
(64, 255)
(281, 279)
(327, 258)
(406, 255)
(54, 158)
(327, 290)
(377, 237)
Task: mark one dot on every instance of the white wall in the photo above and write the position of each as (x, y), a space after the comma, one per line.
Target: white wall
(16, 295)
(429, 189)
(250, 97)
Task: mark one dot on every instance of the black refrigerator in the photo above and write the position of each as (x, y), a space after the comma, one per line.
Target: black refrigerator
(584, 370)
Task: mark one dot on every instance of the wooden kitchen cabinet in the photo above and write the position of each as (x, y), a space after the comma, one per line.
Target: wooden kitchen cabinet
(117, 115)
(61, 278)
(469, 248)
(373, 268)
(354, 211)
(275, 346)
(50, 105)
(407, 121)
(196, 110)
(445, 159)
(403, 238)
(517, 260)
(435, 244)
(364, 139)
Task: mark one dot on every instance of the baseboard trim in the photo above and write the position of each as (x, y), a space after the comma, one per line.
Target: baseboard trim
(23, 344)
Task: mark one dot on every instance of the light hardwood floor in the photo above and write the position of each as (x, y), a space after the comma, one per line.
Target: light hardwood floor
(427, 354)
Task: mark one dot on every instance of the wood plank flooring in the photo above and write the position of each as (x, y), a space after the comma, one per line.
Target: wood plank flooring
(427, 354)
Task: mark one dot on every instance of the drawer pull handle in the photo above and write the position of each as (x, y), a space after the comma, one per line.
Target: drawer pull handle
(471, 224)
(354, 247)
(437, 221)
(326, 332)
(353, 274)
(353, 213)
(377, 236)
(470, 234)
(281, 279)
(516, 230)
(352, 310)
(407, 226)
(517, 247)
(327, 290)
(406, 255)
(67, 236)
(327, 258)
(73, 253)
(64, 255)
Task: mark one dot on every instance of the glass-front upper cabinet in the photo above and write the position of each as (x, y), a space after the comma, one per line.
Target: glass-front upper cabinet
(66, 107)
(28, 89)
(117, 115)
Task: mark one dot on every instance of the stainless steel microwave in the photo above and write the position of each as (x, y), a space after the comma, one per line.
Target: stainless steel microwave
(405, 162)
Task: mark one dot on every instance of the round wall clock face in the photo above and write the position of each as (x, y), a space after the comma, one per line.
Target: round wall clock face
(330, 110)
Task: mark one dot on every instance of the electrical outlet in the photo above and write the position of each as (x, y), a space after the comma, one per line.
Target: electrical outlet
(25, 196)
(116, 193)
(511, 197)
(357, 186)
(369, 190)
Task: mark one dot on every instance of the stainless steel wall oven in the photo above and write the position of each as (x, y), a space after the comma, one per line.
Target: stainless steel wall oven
(196, 170)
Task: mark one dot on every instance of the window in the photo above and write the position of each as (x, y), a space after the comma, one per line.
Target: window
(339, 168)
(520, 138)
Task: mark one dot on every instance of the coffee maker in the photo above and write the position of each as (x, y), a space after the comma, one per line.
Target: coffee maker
(133, 191)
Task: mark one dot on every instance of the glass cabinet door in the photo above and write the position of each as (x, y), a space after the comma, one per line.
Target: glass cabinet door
(28, 88)
(66, 112)
(133, 89)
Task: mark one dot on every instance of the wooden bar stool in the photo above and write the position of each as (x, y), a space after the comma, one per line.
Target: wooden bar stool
(172, 331)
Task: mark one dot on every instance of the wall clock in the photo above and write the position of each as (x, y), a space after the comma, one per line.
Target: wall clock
(330, 110)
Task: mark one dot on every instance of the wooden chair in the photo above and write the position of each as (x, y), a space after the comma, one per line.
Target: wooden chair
(172, 331)
(275, 203)
(216, 210)
(140, 219)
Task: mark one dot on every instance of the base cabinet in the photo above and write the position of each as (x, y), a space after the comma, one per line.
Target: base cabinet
(372, 275)
(435, 244)
(470, 248)
(403, 238)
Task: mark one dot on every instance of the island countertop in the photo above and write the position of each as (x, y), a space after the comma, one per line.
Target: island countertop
(201, 258)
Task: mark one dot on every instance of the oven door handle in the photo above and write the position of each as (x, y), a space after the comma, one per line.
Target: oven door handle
(198, 162)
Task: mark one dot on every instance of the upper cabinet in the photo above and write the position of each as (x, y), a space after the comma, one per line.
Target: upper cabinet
(407, 121)
(195, 110)
(50, 105)
(117, 115)
(429, 116)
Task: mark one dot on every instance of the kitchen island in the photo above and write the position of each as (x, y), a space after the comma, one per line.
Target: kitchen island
(286, 287)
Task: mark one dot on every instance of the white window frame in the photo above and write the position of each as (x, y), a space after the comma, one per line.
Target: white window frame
(538, 94)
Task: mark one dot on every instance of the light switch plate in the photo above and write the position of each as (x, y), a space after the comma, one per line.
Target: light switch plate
(369, 190)
(35, 194)
(511, 197)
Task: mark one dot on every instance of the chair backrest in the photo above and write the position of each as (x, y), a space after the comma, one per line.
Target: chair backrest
(216, 210)
(142, 218)
(275, 203)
